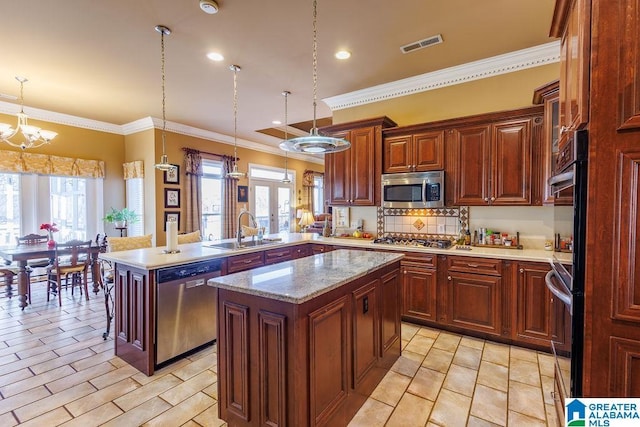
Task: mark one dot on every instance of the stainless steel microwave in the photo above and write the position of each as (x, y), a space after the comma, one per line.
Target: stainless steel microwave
(413, 190)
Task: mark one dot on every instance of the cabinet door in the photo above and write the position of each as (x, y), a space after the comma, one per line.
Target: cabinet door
(475, 302)
(574, 68)
(366, 338)
(363, 167)
(537, 315)
(397, 154)
(390, 314)
(419, 293)
(471, 183)
(511, 158)
(338, 169)
(428, 151)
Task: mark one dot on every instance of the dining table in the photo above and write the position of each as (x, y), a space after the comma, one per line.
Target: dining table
(21, 254)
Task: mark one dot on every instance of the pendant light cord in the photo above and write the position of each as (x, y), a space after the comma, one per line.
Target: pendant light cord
(315, 61)
(164, 112)
(235, 69)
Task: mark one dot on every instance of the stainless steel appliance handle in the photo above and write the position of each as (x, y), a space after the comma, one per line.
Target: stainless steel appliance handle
(564, 297)
(424, 190)
(194, 283)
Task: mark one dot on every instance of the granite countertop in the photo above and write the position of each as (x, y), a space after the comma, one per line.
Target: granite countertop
(289, 281)
(154, 258)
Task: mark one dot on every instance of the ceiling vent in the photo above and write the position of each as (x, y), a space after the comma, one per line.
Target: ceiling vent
(429, 41)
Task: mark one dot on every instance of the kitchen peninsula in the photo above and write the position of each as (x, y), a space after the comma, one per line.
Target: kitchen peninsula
(305, 342)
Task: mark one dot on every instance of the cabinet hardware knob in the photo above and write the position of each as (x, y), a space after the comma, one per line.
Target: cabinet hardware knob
(493, 198)
(448, 277)
(472, 265)
(522, 270)
(564, 129)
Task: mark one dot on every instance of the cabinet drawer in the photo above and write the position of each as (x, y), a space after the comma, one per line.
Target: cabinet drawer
(420, 260)
(475, 265)
(278, 255)
(245, 262)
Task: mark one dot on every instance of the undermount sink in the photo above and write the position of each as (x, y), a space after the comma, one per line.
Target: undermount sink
(245, 244)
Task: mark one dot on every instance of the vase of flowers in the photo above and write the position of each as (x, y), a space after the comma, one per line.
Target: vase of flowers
(50, 229)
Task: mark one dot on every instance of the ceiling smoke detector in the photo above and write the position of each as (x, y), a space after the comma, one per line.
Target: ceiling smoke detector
(209, 6)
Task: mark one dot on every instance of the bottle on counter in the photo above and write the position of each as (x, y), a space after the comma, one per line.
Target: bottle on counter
(326, 230)
(467, 237)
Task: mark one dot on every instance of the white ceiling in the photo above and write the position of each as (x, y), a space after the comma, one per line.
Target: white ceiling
(101, 59)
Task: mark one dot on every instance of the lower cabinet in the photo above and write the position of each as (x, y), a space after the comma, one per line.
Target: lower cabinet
(134, 320)
(540, 316)
(308, 364)
(419, 285)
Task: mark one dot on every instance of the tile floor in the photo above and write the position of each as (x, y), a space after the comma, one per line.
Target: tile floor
(55, 369)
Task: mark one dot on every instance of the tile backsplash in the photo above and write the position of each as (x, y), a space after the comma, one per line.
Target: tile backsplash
(413, 223)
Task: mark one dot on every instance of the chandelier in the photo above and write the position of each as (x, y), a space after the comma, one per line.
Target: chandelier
(235, 173)
(315, 143)
(34, 136)
(164, 164)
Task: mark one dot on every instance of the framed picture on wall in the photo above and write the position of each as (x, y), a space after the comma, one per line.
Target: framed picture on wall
(171, 198)
(243, 194)
(171, 216)
(172, 176)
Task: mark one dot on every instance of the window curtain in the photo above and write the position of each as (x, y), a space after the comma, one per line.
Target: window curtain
(309, 185)
(133, 169)
(193, 188)
(230, 204)
(44, 164)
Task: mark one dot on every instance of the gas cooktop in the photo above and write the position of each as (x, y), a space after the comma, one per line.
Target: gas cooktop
(427, 243)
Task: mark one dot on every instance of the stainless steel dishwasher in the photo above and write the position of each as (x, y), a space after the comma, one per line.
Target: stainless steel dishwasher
(186, 308)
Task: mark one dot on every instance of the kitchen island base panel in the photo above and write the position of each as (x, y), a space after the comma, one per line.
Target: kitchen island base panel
(308, 364)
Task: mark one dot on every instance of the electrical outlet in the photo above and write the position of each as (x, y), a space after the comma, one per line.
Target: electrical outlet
(441, 229)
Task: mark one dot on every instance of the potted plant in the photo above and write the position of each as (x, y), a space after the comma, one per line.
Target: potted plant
(121, 217)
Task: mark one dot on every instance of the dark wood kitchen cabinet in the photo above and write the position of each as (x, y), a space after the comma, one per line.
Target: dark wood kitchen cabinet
(571, 23)
(244, 262)
(548, 96)
(415, 152)
(419, 275)
(352, 177)
(134, 317)
(493, 161)
(474, 294)
(540, 316)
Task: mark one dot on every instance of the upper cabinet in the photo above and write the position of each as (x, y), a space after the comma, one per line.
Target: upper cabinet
(493, 160)
(352, 177)
(570, 23)
(549, 96)
(413, 152)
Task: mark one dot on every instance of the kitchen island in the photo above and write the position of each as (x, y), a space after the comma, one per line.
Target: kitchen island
(305, 342)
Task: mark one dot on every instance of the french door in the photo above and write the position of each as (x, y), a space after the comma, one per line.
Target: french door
(272, 205)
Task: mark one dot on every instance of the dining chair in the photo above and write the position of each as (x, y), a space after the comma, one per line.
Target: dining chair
(71, 262)
(35, 267)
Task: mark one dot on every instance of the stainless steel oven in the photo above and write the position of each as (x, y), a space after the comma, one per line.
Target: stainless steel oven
(566, 279)
(413, 190)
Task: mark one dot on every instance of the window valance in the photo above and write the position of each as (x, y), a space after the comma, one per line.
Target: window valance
(45, 164)
(133, 169)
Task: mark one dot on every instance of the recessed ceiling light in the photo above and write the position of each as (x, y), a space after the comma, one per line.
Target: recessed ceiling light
(215, 56)
(343, 54)
(276, 122)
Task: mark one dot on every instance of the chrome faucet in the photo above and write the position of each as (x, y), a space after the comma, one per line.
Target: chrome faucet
(255, 224)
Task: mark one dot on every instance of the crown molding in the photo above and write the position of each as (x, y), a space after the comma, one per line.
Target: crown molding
(536, 56)
(60, 118)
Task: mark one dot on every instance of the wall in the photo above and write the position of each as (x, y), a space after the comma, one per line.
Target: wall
(503, 92)
(174, 144)
(141, 146)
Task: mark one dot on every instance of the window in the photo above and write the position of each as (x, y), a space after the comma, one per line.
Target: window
(318, 194)
(28, 200)
(135, 202)
(9, 208)
(212, 199)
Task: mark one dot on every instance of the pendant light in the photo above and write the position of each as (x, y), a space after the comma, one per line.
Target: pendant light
(314, 143)
(286, 179)
(164, 164)
(235, 173)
